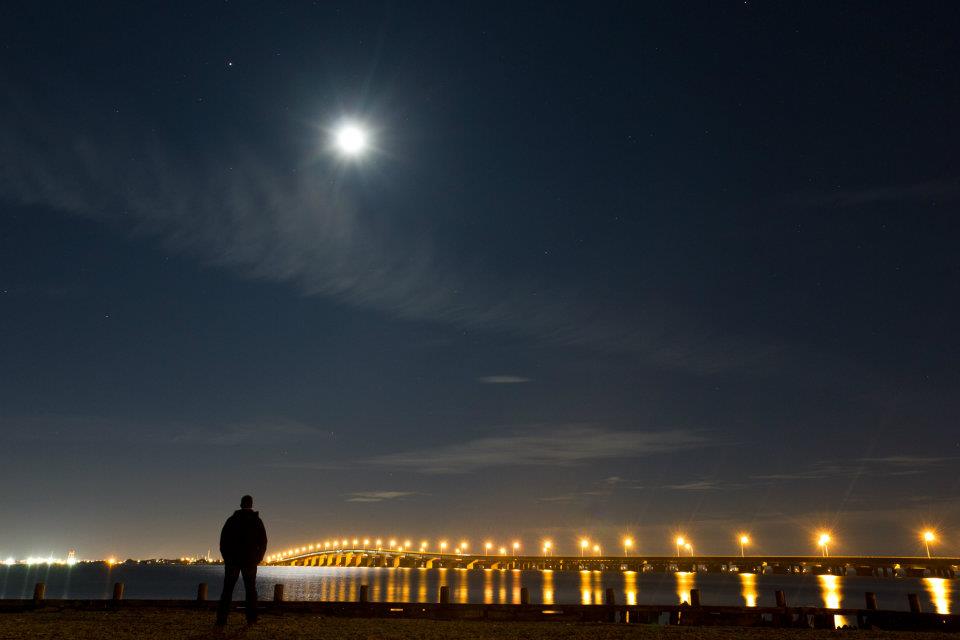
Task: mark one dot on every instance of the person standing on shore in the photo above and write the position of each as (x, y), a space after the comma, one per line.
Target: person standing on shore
(243, 542)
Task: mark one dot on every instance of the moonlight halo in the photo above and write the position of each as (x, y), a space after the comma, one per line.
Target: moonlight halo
(351, 139)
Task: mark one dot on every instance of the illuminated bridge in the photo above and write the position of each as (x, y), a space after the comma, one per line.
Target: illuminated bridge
(880, 566)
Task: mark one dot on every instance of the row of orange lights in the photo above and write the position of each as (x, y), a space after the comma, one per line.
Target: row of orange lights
(391, 545)
(683, 544)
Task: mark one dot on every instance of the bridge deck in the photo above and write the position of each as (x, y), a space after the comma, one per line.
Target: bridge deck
(865, 565)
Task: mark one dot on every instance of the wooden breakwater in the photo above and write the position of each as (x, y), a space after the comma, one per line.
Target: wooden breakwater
(693, 613)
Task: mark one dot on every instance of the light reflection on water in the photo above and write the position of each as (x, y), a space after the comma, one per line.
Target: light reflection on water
(685, 581)
(832, 597)
(422, 585)
(462, 591)
(498, 586)
(830, 590)
(585, 595)
(748, 588)
(939, 590)
(591, 587)
(547, 586)
(630, 586)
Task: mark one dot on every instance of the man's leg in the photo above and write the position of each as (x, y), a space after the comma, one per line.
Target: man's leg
(250, 586)
(230, 575)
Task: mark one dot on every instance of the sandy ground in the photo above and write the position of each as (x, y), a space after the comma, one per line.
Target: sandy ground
(199, 625)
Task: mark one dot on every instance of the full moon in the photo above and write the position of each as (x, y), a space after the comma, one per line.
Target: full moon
(351, 140)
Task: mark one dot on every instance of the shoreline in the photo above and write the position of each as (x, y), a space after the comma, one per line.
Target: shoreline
(150, 623)
(608, 615)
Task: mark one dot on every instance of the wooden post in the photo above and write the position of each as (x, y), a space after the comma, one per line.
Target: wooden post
(117, 591)
(39, 592)
(694, 597)
(871, 601)
(914, 601)
(781, 598)
(364, 593)
(610, 598)
(278, 593)
(202, 592)
(524, 595)
(444, 594)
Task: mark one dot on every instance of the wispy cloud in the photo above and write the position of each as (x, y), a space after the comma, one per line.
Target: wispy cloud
(563, 445)
(237, 434)
(875, 466)
(289, 222)
(69, 429)
(503, 379)
(377, 496)
(695, 485)
(907, 461)
(602, 489)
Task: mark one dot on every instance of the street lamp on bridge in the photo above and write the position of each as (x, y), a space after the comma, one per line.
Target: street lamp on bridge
(627, 544)
(680, 543)
(584, 543)
(547, 546)
(823, 540)
(744, 541)
(929, 536)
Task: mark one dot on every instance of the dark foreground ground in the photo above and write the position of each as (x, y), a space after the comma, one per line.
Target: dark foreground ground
(153, 624)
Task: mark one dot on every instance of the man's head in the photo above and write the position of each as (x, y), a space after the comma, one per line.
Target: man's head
(246, 502)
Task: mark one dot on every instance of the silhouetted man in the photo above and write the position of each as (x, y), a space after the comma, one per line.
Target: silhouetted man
(243, 542)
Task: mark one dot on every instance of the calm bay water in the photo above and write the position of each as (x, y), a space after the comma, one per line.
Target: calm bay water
(492, 586)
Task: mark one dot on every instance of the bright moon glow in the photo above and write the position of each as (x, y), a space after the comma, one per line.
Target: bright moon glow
(351, 140)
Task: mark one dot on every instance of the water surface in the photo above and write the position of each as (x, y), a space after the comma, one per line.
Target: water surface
(481, 586)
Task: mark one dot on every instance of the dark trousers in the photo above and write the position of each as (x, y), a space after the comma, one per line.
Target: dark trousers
(230, 574)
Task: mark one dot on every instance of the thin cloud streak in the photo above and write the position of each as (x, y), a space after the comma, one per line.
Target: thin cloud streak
(299, 228)
(377, 496)
(877, 466)
(504, 379)
(565, 445)
(68, 429)
(605, 488)
(695, 485)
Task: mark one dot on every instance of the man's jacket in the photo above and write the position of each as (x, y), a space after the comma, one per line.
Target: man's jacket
(243, 540)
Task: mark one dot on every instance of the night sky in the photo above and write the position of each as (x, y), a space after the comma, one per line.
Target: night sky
(604, 269)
